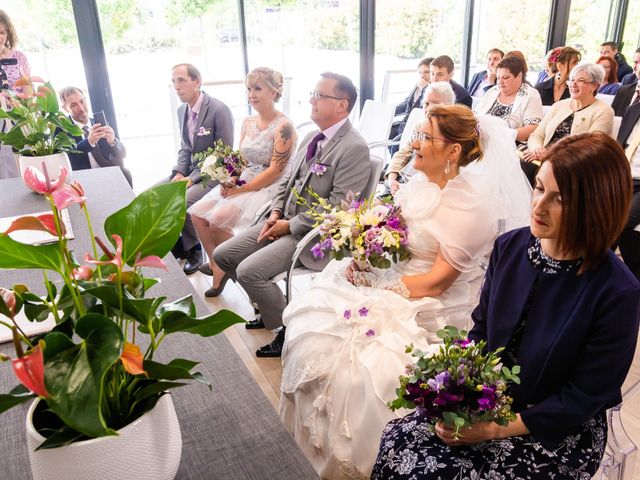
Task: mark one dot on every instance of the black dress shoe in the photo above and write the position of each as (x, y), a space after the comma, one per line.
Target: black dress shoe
(273, 349)
(193, 262)
(254, 324)
(205, 268)
(215, 291)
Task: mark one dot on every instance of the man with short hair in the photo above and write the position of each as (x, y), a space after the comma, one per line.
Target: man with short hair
(632, 78)
(442, 71)
(628, 94)
(485, 79)
(99, 146)
(610, 49)
(203, 120)
(438, 93)
(330, 162)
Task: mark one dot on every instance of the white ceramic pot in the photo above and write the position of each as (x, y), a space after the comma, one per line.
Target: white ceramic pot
(53, 163)
(150, 448)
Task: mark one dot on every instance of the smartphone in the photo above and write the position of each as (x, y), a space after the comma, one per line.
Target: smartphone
(98, 117)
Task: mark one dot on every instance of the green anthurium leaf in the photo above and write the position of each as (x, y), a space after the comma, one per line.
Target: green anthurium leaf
(14, 137)
(60, 438)
(183, 363)
(176, 321)
(54, 343)
(16, 396)
(200, 378)
(184, 305)
(151, 223)
(4, 309)
(36, 312)
(18, 255)
(139, 309)
(165, 372)
(48, 102)
(74, 377)
(154, 389)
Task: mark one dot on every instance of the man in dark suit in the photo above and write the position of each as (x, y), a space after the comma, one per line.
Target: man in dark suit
(98, 147)
(629, 138)
(203, 120)
(255, 256)
(485, 79)
(442, 71)
(610, 49)
(631, 78)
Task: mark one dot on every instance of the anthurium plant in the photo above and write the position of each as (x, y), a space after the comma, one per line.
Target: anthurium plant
(95, 371)
(38, 127)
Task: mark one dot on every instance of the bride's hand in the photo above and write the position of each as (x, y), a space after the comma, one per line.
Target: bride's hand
(351, 269)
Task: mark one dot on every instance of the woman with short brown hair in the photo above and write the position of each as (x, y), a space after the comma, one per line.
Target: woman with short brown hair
(565, 309)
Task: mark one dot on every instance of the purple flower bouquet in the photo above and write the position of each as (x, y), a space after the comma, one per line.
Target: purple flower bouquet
(222, 164)
(459, 385)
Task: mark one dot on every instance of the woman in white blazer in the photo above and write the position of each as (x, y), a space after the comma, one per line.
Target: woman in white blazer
(580, 113)
(512, 99)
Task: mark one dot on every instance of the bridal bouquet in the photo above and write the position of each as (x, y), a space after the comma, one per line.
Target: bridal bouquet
(460, 385)
(221, 164)
(371, 231)
(96, 372)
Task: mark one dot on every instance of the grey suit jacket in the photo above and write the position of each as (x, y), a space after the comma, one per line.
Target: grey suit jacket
(348, 166)
(217, 123)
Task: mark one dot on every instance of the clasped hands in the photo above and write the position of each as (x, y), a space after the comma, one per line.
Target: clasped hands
(532, 155)
(99, 132)
(230, 188)
(476, 433)
(274, 228)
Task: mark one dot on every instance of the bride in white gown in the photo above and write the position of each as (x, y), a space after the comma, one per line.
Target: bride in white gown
(345, 343)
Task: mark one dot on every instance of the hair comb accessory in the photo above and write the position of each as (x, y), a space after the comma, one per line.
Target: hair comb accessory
(554, 55)
(477, 129)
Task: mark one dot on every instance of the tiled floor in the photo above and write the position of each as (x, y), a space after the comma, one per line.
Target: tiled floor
(267, 372)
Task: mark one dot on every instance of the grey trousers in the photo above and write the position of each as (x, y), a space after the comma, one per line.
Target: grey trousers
(194, 193)
(254, 264)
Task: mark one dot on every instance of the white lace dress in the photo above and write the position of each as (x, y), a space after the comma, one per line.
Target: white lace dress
(238, 211)
(339, 373)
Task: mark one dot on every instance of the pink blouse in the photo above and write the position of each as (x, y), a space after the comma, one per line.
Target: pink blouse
(14, 72)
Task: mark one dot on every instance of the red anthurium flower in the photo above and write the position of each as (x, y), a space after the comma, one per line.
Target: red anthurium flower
(115, 259)
(44, 223)
(152, 261)
(9, 299)
(132, 359)
(30, 371)
(41, 183)
(68, 195)
(83, 273)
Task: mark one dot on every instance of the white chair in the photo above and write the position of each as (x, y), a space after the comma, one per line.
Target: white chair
(608, 99)
(616, 127)
(375, 123)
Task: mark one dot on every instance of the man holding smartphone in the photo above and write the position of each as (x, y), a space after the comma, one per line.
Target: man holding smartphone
(98, 147)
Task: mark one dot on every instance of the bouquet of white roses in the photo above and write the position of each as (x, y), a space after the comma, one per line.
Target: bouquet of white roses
(222, 164)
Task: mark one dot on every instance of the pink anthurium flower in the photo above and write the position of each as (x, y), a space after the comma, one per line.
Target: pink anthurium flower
(44, 223)
(115, 259)
(151, 261)
(83, 273)
(40, 182)
(68, 195)
(30, 371)
(132, 359)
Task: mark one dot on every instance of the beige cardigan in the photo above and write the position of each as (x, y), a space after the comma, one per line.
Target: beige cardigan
(596, 117)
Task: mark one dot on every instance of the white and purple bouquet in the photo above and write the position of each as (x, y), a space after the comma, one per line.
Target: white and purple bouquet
(372, 231)
(222, 164)
(459, 385)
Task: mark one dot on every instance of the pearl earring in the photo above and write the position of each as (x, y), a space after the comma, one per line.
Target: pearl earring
(447, 169)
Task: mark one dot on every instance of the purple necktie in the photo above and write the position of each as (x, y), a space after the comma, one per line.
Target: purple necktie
(312, 148)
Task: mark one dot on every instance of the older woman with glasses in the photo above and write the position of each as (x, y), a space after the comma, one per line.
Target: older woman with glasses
(581, 113)
(561, 62)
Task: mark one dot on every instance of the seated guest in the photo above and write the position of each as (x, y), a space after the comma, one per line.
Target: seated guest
(631, 78)
(610, 49)
(512, 99)
(485, 79)
(629, 138)
(256, 255)
(267, 140)
(581, 113)
(438, 93)
(203, 120)
(99, 147)
(413, 100)
(520, 55)
(628, 93)
(611, 84)
(546, 71)
(555, 88)
(442, 71)
(8, 50)
(565, 309)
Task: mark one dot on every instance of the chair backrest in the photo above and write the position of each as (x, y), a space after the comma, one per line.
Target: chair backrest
(603, 97)
(416, 116)
(375, 121)
(377, 163)
(616, 127)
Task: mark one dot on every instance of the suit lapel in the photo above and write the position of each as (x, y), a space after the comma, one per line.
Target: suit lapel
(326, 149)
(631, 117)
(184, 126)
(202, 115)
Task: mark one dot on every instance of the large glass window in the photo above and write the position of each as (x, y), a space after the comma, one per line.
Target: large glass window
(409, 31)
(143, 40)
(590, 24)
(301, 39)
(631, 36)
(494, 27)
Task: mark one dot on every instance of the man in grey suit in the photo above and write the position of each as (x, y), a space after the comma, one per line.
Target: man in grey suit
(332, 162)
(203, 120)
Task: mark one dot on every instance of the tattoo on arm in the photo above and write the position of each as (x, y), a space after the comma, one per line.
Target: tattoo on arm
(282, 145)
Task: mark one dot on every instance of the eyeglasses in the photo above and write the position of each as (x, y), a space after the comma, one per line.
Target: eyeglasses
(426, 137)
(579, 82)
(319, 96)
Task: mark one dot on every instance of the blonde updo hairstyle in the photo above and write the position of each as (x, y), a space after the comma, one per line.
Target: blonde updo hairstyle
(270, 77)
(458, 124)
